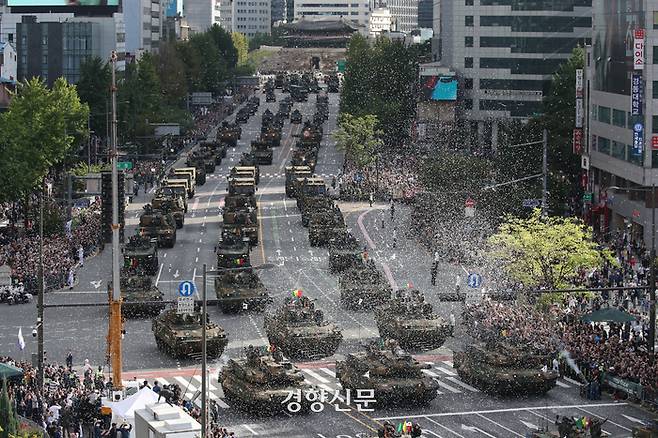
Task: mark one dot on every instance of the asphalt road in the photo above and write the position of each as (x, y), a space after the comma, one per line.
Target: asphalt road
(459, 410)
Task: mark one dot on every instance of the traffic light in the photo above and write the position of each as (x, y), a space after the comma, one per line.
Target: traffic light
(106, 205)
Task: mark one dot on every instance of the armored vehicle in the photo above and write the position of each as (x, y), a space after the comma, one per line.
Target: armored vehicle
(180, 335)
(344, 252)
(298, 329)
(242, 115)
(245, 220)
(229, 133)
(278, 81)
(217, 150)
(285, 107)
(271, 134)
(308, 189)
(262, 382)
(200, 165)
(333, 84)
(169, 189)
(396, 377)
(170, 204)
(318, 204)
(238, 185)
(322, 98)
(232, 250)
(311, 134)
(248, 159)
(501, 368)
(574, 427)
(270, 97)
(245, 172)
(296, 117)
(140, 254)
(140, 295)
(292, 174)
(325, 224)
(180, 180)
(238, 201)
(240, 290)
(204, 158)
(411, 322)
(188, 173)
(266, 118)
(262, 151)
(363, 286)
(155, 224)
(279, 120)
(649, 430)
(305, 157)
(298, 93)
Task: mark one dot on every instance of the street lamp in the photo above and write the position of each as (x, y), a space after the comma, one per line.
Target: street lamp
(652, 275)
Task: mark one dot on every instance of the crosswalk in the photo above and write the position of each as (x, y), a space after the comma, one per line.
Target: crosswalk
(324, 377)
(273, 175)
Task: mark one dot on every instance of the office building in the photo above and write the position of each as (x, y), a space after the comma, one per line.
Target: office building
(175, 29)
(505, 52)
(405, 14)
(202, 14)
(425, 13)
(249, 17)
(279, 11)
(357, 11)
(8, 61)
(172, 8)
(54, 49)
(143, 25)
(380, 21)
(623, 116)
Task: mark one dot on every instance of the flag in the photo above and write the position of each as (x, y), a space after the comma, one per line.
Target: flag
(239, 262)
(21, 341)
(297, 293)
(410, 285)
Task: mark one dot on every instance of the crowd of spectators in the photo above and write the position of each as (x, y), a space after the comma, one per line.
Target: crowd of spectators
(70, 404)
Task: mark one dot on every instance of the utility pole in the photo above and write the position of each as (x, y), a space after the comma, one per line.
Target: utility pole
(115, 301)
(40, 352)
(544, 171)
(204, 362)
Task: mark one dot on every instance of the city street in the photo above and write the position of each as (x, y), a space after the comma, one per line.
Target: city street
(290, 263)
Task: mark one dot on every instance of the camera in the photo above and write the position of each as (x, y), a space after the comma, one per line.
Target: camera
(34, 332)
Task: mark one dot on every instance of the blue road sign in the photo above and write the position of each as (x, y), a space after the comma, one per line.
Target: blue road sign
(186, 289)
(474, 280)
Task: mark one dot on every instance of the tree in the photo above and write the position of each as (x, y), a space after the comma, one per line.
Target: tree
(358, 137)
(8, 419)
(212, 68)
(224, 44)
(94, 89)
(545, 252)
(39, 128)
(241, 46)
(262, 39)
(171, 71)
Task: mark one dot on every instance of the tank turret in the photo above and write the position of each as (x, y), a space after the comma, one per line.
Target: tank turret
(240, 290)
(363, 286)
(180, 335)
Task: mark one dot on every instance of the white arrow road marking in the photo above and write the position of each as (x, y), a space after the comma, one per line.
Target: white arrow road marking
(176, 274)
(96, 283)
(529, 425)
(476, 429)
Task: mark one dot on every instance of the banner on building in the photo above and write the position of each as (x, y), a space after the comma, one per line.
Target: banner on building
(638, 49)
(636, 94)
(638, 139)
(579, 82)
(578, 141)
(579, 112)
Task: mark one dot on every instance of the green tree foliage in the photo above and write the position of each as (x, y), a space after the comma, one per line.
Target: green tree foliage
(94, 89)
(261, 39)
(224, 43)
(212, 67)
(39, 128)
(358, 137)
(380, 80)
(545, 252)
(172, 73)
(241, 46)
(8, 419)
(559, 120)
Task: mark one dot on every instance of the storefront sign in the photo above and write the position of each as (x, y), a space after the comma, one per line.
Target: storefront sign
(654, 142)
(579, 82)
(638, 50)
(578, 141)
(638, 139)
(579, 112)
(636, 94)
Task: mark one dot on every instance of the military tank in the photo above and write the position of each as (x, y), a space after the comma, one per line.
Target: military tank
(155, 224)
(325, 224)
(649, 430)
(240, 290)
(233, 250)
(299, 330)
(170, 204)
(501, 368)
(140, 296)
(575, 427)
(261, 383)
(395, 377)
(141, 254)
(344, 252)
(411, 322)
(363, 286)
(180, 335)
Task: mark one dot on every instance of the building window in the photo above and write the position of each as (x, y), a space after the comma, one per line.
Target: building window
(619, 118)
(654, 159)
(655, 19)
(468, 41)
(619, 150)
(468, 2)
(655, 54)
(604, 114)
(468, 83)
(468, 62)
(603, 145)
(595, 110)
(654, 124)
(468, 21)
(468, 104)
(44, 59)
(654, 92)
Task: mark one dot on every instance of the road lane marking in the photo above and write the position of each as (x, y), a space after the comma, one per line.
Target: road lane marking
(328, 371)
(499, 411)
(157, 280)
(448, 387)
(562, 385)
(430, 373)
(440, 425)
(500, 425)
(462, 384)
(445, 371)
(603, 418)
(316, 376)
(575, 382)
(250, 429)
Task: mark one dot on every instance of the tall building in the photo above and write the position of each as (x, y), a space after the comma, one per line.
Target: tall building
(52, 49)
(279, 11)
(436, 29)
(202, 14)
(143, 25)
(622, 126)
(357, 11)
(425, 13)
(505, 51)
(8, 61)
(405, 14)
(380, 21)
(172, 8)
(249, 17)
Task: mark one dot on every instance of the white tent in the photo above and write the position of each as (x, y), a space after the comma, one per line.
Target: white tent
(125, 409)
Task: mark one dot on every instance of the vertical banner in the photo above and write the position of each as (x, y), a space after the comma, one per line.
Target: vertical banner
(638, 139)
(636, 94)
(579, 98)
(638, 49)
(578, 141)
